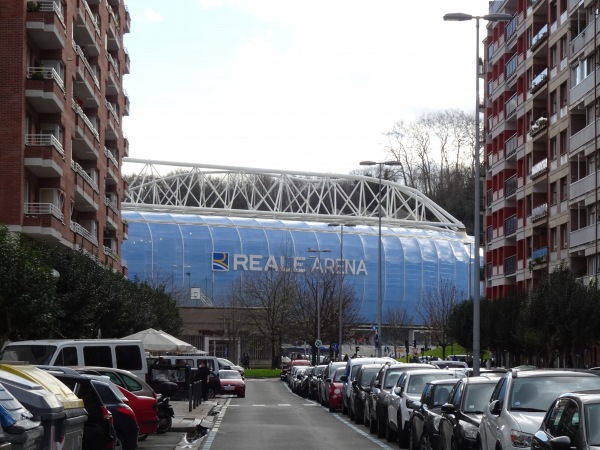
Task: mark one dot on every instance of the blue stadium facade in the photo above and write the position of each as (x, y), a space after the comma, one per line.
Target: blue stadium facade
(212, 252)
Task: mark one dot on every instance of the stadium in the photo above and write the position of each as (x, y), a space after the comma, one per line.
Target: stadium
(203, 228)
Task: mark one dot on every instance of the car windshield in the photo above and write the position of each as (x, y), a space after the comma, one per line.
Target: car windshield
(391, 378)
(230, 375)
(33, 354)
(477, 396)
(538, 393)
(416, 383)
(338, 374)
(367, 376)
(592, 430)
(226, 362)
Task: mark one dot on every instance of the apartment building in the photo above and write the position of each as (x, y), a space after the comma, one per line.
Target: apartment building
(61, 107)
(541, 142)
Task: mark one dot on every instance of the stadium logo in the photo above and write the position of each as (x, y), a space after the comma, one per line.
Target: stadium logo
(261, 263)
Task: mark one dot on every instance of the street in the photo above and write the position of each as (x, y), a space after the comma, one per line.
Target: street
(271, 417)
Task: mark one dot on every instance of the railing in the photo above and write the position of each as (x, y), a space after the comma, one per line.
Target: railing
(50, 6)
(510, 265)
(124, 263)
(539, 212)
(112, 62)
(510, 68)
(539, 169)
(110, 156)
(511, 145)
(44, 209)
(539, 37)
(583, 236)
(112, 205)
(82, 231)
(584, 185)
(110, 252)
(91, 16)
(87, 65)
(510, 225)
(510, 106)
(511, 28)
(539, 80)
(44, 140)
(510, 186)
(113, 17)
(79, 170)
(45, 73)
(539, 254)
(85, 118)
(111, 109)
(538, 126)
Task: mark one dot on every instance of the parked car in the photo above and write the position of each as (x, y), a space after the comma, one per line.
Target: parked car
(462, 413)
(298, 376)
(313, 382)
(400, 403)
(520, 400)
(285, 370)
(145, 409)
(427, 413)
(352, 366)
(225, 364)
(382, 385)
(326, 379)
(335, 390)
(303, 388)
(571, 422)
(232, 383)
(361, 386)
(123, 378)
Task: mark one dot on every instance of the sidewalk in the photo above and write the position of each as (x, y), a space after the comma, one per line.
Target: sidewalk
(188, 421)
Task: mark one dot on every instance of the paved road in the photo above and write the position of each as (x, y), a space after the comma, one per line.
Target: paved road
(272, 418)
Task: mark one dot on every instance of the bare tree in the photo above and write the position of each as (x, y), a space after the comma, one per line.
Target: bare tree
(396, 321)
(435, 309)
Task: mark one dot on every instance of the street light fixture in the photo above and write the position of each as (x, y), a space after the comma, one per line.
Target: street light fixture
(460, 17)
(342, 271)
(313, 250)
(379, 290)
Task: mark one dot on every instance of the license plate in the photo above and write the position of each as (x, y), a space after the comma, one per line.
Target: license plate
(229, 388)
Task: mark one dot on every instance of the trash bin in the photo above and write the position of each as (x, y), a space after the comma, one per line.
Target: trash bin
(60, 411)
(18, 427)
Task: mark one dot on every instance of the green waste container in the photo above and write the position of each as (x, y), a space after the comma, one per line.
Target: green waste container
(18, 427)
(61, 412)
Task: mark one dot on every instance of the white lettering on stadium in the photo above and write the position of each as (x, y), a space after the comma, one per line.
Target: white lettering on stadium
(257, 263)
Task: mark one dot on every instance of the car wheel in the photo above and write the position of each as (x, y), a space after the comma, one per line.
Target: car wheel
(390, 435)
(344, 407)
(403, 433)
(358, 414)
(412, 444)
(211, 393)
(120, 442)
(366, 418)
(142, 437)
(351, 413)
(425, 443)
(372, 425)
(381, 425)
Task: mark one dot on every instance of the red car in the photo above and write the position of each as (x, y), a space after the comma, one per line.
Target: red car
(232, 383)
(335, 389)
(145, 411)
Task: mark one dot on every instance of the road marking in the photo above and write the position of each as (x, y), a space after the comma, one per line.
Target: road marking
(363, 433)
(215, 428)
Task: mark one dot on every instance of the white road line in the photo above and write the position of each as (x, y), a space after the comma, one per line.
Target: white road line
(215, 428)
(363, 433)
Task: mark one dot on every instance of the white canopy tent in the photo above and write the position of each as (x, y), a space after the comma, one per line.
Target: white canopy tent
(159, 341)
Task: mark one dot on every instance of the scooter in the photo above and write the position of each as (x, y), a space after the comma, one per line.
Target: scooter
(165, 411)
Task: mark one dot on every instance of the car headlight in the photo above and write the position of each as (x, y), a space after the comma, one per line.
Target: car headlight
(470, 432)
(520, 439)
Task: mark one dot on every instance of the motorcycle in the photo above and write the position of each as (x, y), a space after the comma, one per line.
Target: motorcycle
(165, 411)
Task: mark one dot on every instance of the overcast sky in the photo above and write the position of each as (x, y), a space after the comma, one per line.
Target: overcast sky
(312, 85)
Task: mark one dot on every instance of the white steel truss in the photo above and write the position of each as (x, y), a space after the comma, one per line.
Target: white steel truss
(186, 188)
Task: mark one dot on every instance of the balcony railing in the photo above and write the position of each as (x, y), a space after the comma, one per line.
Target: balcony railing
(112, 110)
(510, 186)
(124, 263)
(112, 205)
(87, 65)
(539, 37)
(510, 265)
(511, 27)
(44, 209)
(47, 6)
(539, 254)
(44, 140)
(538, 126)
(539, 169)
(110, 156)
(79, 170)
(539, 212)
(511, 67)
(45, 73)
(511, 145)
(85, 119)
(82, 231)
(539, 81)
(110, 252)
(510, 225)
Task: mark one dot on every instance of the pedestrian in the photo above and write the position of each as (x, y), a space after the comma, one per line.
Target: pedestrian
(246, 361)
(203, 374)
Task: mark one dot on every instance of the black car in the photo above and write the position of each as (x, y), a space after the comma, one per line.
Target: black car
(571, 422)
(304, 387)
(123, 417)
(462, 413)
(361, 387)
(313, 382)
(426, 415)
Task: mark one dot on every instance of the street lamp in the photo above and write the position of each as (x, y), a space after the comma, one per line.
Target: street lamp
(342, 273)
(459, 17)
(379, 291)
(313, 250)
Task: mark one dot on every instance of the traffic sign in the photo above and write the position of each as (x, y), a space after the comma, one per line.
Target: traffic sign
(318, 343)
(334, 346)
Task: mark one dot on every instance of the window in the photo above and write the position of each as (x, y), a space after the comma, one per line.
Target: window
(553, 239)
(553, 102)
(564, 237)
(97, 356)
(553, 58)
(553, 193)
(564, 189)
(553, 148)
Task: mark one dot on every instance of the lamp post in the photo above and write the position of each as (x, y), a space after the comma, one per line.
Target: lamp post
(379, 290)
(342, 271)
(314, 250)
(459, 17)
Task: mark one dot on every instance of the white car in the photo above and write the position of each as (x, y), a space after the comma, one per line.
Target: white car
(225, 362)
(408, 390)
(519, 402)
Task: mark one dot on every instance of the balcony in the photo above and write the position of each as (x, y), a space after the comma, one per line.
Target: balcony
(510, 225)
(86, 121)
(44, 209)
(579, 91)
(584, 186)
(510, 69)
(112, 167)
(510, 107)
(45, 90)
(125, 103)
(44, 155)
(510, 186)
(583, 236)
(113, 86)
(538, 126)
(539, 169)
(82, 231)
(539, 38)
(510, 265)
(111, 253)
(43, 222)
(86, 189)
(510, 147)
(46, 24)
(87, 86)
(539, 81)
(539, 256)
(86, 31)
(539, 212)
(112, 130)
(114, 31)
(126, 60)
(581, 138)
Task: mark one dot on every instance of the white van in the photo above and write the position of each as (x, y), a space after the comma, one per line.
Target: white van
(125, 354)
(194, 361)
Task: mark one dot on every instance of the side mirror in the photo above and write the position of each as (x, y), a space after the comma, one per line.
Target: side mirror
(397, 390)
(354, 384)
(328, 380)
(344, 378)
(413, 404)
(448, 408)
(560, 443)
(495, 407)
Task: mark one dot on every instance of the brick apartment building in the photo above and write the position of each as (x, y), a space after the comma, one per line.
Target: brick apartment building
(61, 108)
(541, 142)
